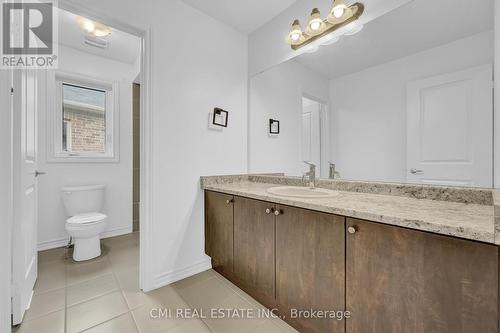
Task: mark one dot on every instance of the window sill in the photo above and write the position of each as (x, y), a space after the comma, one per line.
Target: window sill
(83, 159)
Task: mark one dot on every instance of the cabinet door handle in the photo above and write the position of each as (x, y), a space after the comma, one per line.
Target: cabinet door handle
(229, 201)
(352, 230)
(269, 210)
(278, 212)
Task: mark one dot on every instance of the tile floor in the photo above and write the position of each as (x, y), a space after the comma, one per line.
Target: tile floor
(103, 296)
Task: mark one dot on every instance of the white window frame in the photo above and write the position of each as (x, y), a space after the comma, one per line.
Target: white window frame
(55, 119)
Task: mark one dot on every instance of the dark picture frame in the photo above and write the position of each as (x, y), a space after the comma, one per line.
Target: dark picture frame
(218, 115)
(273, 123)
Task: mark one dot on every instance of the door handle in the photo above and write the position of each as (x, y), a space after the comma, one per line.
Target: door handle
(416, 171)
(38, 173)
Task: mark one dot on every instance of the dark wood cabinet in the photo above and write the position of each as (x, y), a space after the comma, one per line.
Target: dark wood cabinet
(401, 280)
(310, 266)
(219, 230)
(254, 248)
(390, 279)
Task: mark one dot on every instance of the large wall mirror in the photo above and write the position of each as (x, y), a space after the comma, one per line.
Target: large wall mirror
(407, 99)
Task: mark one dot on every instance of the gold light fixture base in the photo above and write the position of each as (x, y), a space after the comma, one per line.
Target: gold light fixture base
(357, 10)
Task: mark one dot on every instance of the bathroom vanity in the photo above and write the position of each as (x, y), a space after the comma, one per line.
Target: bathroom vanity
(396, 260)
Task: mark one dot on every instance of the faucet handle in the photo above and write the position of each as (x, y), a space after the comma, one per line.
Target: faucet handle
(310, 163)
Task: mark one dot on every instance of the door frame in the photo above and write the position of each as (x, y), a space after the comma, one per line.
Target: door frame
(146, 272)
(6, 203)
(323, 128)
(146, 135)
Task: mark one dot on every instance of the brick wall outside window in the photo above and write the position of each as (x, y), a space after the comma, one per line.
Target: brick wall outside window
(88, 130)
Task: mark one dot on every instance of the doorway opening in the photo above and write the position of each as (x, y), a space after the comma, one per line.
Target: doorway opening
(82, 122)
(313, 138)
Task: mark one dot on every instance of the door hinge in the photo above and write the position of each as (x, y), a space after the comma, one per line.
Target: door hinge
(12, 90)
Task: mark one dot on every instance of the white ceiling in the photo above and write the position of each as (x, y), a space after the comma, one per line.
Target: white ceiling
(243, 15)
(123, 47)
(417, 26)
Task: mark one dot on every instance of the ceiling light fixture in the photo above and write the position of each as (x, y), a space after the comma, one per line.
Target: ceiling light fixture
(340, 15)
(94, 28)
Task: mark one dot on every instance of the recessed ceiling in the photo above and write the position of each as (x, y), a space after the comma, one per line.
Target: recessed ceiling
(243, 15)
(417, 26)
(122, 46)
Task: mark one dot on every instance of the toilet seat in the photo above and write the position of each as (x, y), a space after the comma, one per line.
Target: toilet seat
(86, 219)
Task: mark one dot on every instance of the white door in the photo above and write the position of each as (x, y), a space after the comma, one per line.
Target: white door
(450, 129)
(311, 134)
(24, 231)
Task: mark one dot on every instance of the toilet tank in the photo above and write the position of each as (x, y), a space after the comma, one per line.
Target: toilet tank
(83, 199)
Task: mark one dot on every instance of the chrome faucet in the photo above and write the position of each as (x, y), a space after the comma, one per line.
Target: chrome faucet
(311, 174)
(332, 172)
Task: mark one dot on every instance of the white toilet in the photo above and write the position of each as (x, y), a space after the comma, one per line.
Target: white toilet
(84, 205)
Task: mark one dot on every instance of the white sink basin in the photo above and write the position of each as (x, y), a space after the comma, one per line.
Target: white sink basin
(301, 192)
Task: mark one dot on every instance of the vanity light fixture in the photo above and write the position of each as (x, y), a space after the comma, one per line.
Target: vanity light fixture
(340, 16)
(93, 28)
(295, 36)
(315, 26)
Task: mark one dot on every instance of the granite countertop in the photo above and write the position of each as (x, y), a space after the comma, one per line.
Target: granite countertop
(474, 221)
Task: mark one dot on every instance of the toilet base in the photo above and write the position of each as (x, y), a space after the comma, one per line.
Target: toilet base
(86, 248)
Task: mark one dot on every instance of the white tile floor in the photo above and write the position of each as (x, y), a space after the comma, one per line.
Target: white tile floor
(103, 296)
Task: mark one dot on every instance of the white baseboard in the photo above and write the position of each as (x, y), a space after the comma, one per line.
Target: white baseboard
(53, 244)
(163, 279)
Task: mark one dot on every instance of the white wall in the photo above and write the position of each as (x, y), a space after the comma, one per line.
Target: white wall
(198, 64)
(5, 202)
(267, 45)
(369, 107)
(116, 176)
(277, 94)
(496, 132)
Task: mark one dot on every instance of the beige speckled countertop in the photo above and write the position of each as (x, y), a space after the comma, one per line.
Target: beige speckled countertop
(465, 220)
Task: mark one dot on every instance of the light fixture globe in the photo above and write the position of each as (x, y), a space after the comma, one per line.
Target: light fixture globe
(315, 26)
(339, 13)
(94, 28)
(295, 36)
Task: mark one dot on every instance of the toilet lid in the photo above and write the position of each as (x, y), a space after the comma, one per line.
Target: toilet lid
(86, 218)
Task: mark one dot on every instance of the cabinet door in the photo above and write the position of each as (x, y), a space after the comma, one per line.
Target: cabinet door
(310, 266)
(401, 280)
(219, 230)
(254, 264)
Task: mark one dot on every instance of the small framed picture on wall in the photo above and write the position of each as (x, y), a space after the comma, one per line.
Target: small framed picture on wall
(220, 117)
(274, 126)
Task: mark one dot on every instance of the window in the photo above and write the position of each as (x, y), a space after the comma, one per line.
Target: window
(84, 124)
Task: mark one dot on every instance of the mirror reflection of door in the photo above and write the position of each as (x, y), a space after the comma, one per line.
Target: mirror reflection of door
(450, 132)
(311, 133)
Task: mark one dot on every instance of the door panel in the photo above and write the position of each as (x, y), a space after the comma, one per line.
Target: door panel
(449, 129)
(25, 227)
(310, 266)
(311, 134)
(254, 247)
(401, 280)
(219, 230)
